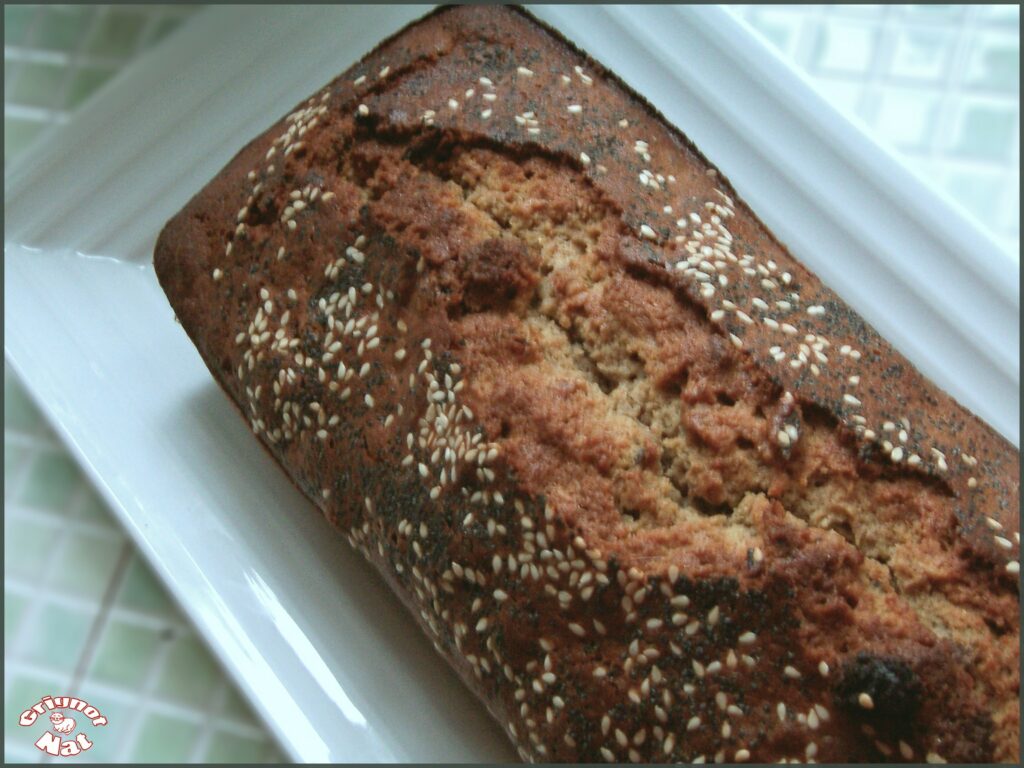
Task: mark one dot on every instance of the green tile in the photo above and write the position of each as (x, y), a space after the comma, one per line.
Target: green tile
(24, 690)
(17, 19)
(778, 34)
(976, 192)
(142, 591)
(108, 740)
(20, 413)
(28, 545)
(190, 675)
(14, 610)
(846, 96)
(94, 509)
(995, 64)
(125, 654)
(929, 11)
(92, 559)
(1008, 15)
(925, 167)
(164, 28)
(986, 132)
(39, 85)
(906, 117)
(57, 635)
(238, 709)
(867, 9)
(51, 481)
(85, 82)
(18, 135)
(921, 54)
(164, 739)
(62, 28)
(231, 748)
(843, 46)
(14, 459)
(19, 753)
(117, 33)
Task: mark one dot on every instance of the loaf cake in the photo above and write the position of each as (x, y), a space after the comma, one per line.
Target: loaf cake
(654, 491)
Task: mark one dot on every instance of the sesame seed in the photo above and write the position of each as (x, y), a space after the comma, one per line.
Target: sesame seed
(823, 668)
(693, 723)
(217, 274)
(648, 232)
(524, 71)
(1013, 567)
(865, 701)
(792, 672)
(575, 108)
(1003, 542)
(747, 638)
(363, 110)
(742, 755)
(851, 400)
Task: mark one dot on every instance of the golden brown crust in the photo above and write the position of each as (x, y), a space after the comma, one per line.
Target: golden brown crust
(648, 507)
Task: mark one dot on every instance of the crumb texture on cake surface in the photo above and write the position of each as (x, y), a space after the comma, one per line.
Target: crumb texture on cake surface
(654, 491)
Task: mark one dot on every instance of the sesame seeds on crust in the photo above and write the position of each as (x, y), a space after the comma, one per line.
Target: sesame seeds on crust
(530, 612)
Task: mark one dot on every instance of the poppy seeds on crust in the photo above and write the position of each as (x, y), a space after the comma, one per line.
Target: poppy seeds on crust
(654, 491)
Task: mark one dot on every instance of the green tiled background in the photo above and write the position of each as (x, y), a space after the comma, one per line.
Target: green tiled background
(938, 85)
(111, 634)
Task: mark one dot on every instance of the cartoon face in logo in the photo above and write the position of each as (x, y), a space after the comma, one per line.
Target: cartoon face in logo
(62, 724)
(52, 741)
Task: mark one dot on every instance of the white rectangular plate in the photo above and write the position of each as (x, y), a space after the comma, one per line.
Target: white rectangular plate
(325, 652)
